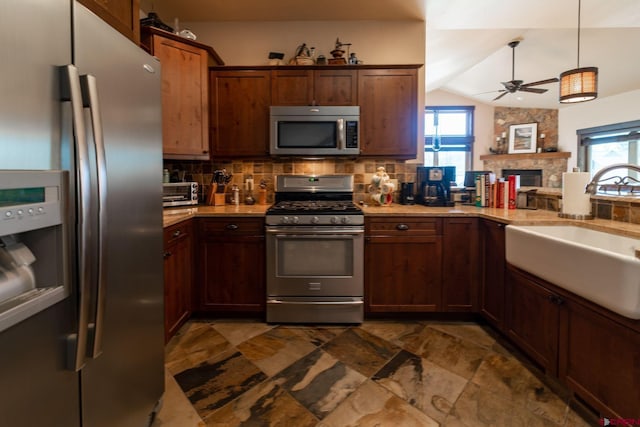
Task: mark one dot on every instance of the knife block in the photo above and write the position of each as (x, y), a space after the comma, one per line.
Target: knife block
(219, 199)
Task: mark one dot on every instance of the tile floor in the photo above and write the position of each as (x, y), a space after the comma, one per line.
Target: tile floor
(380, 373)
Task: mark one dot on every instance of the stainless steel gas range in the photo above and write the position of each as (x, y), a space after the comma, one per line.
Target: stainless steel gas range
(315, 250)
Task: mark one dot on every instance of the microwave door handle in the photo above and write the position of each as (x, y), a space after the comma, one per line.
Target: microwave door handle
(71, 92)
(92, 102)
(341, 134)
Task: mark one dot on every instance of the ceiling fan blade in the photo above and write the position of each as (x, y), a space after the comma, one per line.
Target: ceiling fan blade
(490, 91)
(541, 82)
(532, 89)
(501, 95)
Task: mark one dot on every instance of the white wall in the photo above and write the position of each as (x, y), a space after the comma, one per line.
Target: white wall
(602, 111)
(374, 42)
(483, 121)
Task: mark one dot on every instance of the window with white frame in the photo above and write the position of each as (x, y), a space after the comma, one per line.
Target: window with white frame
(448, 138)
(602, 146)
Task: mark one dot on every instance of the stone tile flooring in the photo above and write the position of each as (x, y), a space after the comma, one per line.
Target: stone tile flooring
(380, 373)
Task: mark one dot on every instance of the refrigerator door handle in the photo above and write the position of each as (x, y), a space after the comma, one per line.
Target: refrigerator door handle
(91, 101)
(70, 91)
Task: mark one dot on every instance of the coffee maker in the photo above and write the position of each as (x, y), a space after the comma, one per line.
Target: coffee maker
(435, 185)
(406, 194)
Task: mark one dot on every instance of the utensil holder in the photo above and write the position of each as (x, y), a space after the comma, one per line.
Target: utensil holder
(219, 199)
(262, 197)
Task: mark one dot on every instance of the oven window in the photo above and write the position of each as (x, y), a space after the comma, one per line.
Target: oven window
(318, 257)
(307, 134)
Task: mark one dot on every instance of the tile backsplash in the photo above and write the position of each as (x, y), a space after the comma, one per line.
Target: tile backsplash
(361, 169)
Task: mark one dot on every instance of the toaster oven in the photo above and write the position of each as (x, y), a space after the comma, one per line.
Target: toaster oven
(179, 194)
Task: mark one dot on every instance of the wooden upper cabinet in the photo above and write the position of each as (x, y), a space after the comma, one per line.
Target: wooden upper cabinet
(388, 100)
(240, 113)
(314, 87)
(292, 87)
(123, 15)
(185, 94)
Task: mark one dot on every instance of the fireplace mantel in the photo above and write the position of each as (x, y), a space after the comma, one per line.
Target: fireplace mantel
(527, 156)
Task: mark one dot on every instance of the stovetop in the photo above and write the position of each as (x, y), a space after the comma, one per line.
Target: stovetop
(314, 200)
(310, 207)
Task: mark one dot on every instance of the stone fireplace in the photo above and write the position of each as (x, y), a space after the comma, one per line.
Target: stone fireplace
(552, 165)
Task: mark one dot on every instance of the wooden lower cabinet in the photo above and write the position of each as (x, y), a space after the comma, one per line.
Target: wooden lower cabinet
(600, 359)
(492, 290)
(460, 264)
(593, 351)
(403, 264)
(178, 279)
(231, 265)
(532, 316)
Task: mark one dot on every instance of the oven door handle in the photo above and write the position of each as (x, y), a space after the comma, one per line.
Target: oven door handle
(277, 301)
(321, 234)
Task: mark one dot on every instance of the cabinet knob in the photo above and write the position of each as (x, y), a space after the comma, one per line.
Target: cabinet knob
(555, 299)
(402, 227)
(177, 233)
(166, 254)
(232, 227)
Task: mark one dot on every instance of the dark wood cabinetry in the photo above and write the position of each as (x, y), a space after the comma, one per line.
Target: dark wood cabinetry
(185, 94)
(532, 316)
(388, 100)
(241, 96)
(492, 289)
(314, 87)
(123, 15)
(240, 102)
(460, 264)
(231, 265)
(593, 351)
(178, 278)
(600, 358)
(403, 264)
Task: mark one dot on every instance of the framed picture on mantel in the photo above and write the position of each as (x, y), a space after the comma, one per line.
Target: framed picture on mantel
(523, 138)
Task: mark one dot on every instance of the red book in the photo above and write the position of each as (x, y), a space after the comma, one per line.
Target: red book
(500, 194)
(513, 191)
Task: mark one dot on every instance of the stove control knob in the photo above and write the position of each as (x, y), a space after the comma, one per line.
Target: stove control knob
(346, 220)
(285, 220)
(295, 220)
(335, 220)
(315, 220)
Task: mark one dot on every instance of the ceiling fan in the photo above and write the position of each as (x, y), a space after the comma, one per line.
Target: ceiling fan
(514, 85)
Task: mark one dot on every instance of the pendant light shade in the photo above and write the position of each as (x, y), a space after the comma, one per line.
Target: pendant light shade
(579, 84)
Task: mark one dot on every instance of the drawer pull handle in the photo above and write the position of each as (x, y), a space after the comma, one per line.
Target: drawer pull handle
(232, 227)
(556, 299)
(166, 254)
(402, 227)
(177, 233)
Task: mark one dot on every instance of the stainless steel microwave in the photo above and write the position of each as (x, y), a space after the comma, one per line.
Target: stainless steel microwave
(315, 131)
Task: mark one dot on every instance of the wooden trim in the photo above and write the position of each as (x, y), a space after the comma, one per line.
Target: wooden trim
(147, 31)
(313, 67)
(526, 156)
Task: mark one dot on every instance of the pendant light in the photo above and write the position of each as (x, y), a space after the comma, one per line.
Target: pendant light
(579, 84)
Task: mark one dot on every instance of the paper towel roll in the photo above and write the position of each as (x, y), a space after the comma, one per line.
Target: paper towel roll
(574, 199)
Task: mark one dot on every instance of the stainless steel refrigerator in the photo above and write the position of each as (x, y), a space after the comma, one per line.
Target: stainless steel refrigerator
(82, 346)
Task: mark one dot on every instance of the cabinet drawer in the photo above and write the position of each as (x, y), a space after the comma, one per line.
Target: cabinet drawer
(231, 226)
(404, 226)
(176, 232)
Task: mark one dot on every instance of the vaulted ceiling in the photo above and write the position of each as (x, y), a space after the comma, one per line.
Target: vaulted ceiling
(467, 49)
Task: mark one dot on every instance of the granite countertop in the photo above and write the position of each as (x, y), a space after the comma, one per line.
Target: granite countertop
(173, 216)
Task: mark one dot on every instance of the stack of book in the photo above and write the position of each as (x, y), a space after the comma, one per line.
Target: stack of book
(492, 192)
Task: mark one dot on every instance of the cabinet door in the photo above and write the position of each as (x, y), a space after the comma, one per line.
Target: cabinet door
(388, 100)
(335, 87)
(232, 265)
(123, 15)
(600, 360)
(532, 317)
(403, 265)
(492, 291)
(240, 113)
(460, 264)
(185, 102)
(292, 87)
(177, 277)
